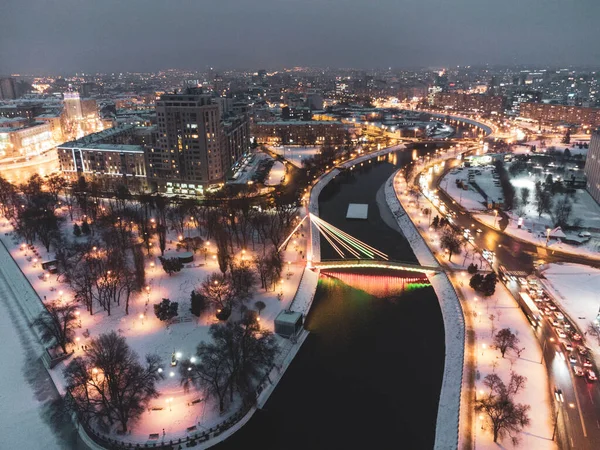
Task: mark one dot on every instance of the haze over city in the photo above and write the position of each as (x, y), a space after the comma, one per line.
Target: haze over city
(291, 225)
(41, 37)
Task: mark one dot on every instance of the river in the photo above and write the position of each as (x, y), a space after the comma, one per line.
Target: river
(370, 372)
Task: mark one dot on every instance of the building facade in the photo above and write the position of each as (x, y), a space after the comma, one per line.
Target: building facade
(592, 166)
(312, 132)
(195, 146)
(110, 157)
(549, 113)
(8, 89)
(469, 102)
(29, 140)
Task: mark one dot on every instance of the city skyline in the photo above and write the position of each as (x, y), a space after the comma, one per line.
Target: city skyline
(146, 36)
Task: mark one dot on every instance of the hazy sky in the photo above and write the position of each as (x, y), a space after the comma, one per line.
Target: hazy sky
(128, 35)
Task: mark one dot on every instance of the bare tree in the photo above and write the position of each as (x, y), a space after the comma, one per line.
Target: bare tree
(505, 416)
(593, 329)
(451, 242)
(109, 384)
(57, 324)
(505, 340)
(219, 291)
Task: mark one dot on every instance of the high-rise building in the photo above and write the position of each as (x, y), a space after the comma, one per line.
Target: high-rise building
(592, 166)
(73, 106)
(192, 151)
(8, 89)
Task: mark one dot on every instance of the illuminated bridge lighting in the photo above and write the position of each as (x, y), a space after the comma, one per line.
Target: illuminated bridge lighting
(379, 285)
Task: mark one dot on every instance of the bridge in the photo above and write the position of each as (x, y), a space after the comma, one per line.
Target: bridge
(376, 264)
(353, 252)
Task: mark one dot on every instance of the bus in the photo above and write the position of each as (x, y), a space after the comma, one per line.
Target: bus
(530, 309)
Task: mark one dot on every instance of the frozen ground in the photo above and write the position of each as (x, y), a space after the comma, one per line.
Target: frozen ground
(576, 287)
(295, 154)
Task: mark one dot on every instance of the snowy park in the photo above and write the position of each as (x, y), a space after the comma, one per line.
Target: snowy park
(176, 412)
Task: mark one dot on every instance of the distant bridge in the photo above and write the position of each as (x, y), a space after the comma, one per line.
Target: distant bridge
(376, 264)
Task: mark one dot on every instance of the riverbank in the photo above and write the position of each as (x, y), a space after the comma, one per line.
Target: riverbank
(447, 425)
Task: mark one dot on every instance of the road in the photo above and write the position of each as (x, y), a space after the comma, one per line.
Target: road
(578, 424)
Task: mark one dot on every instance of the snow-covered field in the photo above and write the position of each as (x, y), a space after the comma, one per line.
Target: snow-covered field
(576, 288)
(550, 145)
(295, 154)
(276, 174)
(25, 388)
(146, 334)
(471, 199)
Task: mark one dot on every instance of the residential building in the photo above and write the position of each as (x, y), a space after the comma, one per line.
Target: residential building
(299, 132)
(469, 102)
(110, 157)
(550, 113)
(28, 140)
(592, 166)
(198, 138)
(8, 89)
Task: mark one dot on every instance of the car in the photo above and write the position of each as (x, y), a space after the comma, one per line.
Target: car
(578, 371)
(561, 333)
(576, 337)
(558, 394)
(591, 375)
(568, 346)
(559, 315)
(587, 363)
(479, 230)
(551, 306)
(555, 323)
(582, 350)
(573, 358)
(522, 281)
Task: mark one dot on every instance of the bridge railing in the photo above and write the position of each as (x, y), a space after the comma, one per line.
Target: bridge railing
(376, 262)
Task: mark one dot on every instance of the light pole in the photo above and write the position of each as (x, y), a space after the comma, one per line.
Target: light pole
(544, 349)
(547, 236)
(495, 217)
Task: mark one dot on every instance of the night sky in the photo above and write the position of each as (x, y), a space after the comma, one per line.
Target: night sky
(62, 36)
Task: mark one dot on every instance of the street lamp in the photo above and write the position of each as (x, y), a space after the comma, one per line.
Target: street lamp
(547, 236)
(142, 318)
(495, 217)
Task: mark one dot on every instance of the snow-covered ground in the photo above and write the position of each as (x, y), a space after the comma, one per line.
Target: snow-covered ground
(276, 174)
(576, 288)
(146, 334)
(295, 154)
(247, 168)
(550, 145)
(506, 314)
(470, 198)
(585, 209)
(26, 391)
(537, 235)
(502, 311)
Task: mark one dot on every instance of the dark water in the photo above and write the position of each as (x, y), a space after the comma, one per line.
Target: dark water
(369, 374)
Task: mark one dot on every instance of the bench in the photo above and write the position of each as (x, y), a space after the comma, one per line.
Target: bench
(153, 436)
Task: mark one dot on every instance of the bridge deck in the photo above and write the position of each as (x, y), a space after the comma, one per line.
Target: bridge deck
(375, 263)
